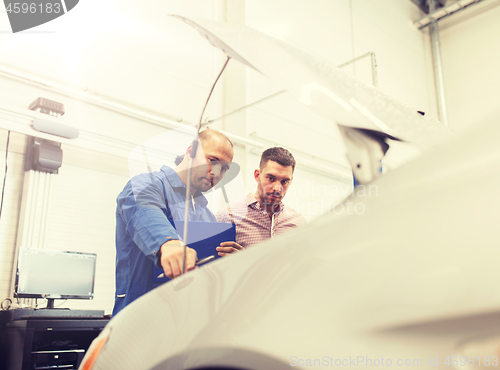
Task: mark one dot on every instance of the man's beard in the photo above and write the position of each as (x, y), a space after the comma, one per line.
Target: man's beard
(267, 201)
(205, 185)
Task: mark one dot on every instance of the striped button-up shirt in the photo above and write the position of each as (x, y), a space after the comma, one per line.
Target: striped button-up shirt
(253, 224)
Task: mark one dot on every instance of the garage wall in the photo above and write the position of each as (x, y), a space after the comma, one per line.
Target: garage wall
(80, 200)
(11, 204)
(471, 60)
(81, 215)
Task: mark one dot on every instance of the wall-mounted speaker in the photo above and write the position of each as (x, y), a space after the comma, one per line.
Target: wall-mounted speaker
(43, 155)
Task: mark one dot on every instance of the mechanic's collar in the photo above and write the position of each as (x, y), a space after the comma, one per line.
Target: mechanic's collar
(176, 183)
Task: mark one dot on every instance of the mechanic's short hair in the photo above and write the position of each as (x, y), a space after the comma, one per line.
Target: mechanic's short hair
(179, 159)
(278, 155)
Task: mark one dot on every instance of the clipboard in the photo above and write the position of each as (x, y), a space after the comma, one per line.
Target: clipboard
(203, 237)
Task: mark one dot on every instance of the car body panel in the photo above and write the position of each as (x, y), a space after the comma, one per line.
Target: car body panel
(411, 277)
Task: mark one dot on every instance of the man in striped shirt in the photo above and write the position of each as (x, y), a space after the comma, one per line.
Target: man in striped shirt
(262, 215)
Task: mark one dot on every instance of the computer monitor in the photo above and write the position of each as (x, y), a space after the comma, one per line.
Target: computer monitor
(52, 274)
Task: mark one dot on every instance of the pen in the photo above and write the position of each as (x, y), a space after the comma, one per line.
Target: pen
(198, 263)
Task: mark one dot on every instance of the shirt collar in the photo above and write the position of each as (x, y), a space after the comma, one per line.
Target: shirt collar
(176, 183)
(251, 200)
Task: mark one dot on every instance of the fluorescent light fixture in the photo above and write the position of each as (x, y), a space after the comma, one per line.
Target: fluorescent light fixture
(55, 128)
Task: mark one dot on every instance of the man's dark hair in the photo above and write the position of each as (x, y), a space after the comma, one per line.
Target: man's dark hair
(179, 159)
(278, 155)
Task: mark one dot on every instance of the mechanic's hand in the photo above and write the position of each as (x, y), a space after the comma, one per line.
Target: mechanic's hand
(171, 258)
(227, 248)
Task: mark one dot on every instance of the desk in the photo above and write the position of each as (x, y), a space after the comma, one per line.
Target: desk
(52, 343)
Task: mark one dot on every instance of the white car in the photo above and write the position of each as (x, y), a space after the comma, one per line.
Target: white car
(411, 282)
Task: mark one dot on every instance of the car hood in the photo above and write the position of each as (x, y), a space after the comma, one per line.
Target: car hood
(321, 85)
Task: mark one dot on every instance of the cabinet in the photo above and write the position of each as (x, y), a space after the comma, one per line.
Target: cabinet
(52, 343)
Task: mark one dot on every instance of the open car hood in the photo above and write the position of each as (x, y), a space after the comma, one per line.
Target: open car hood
(321, 85)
